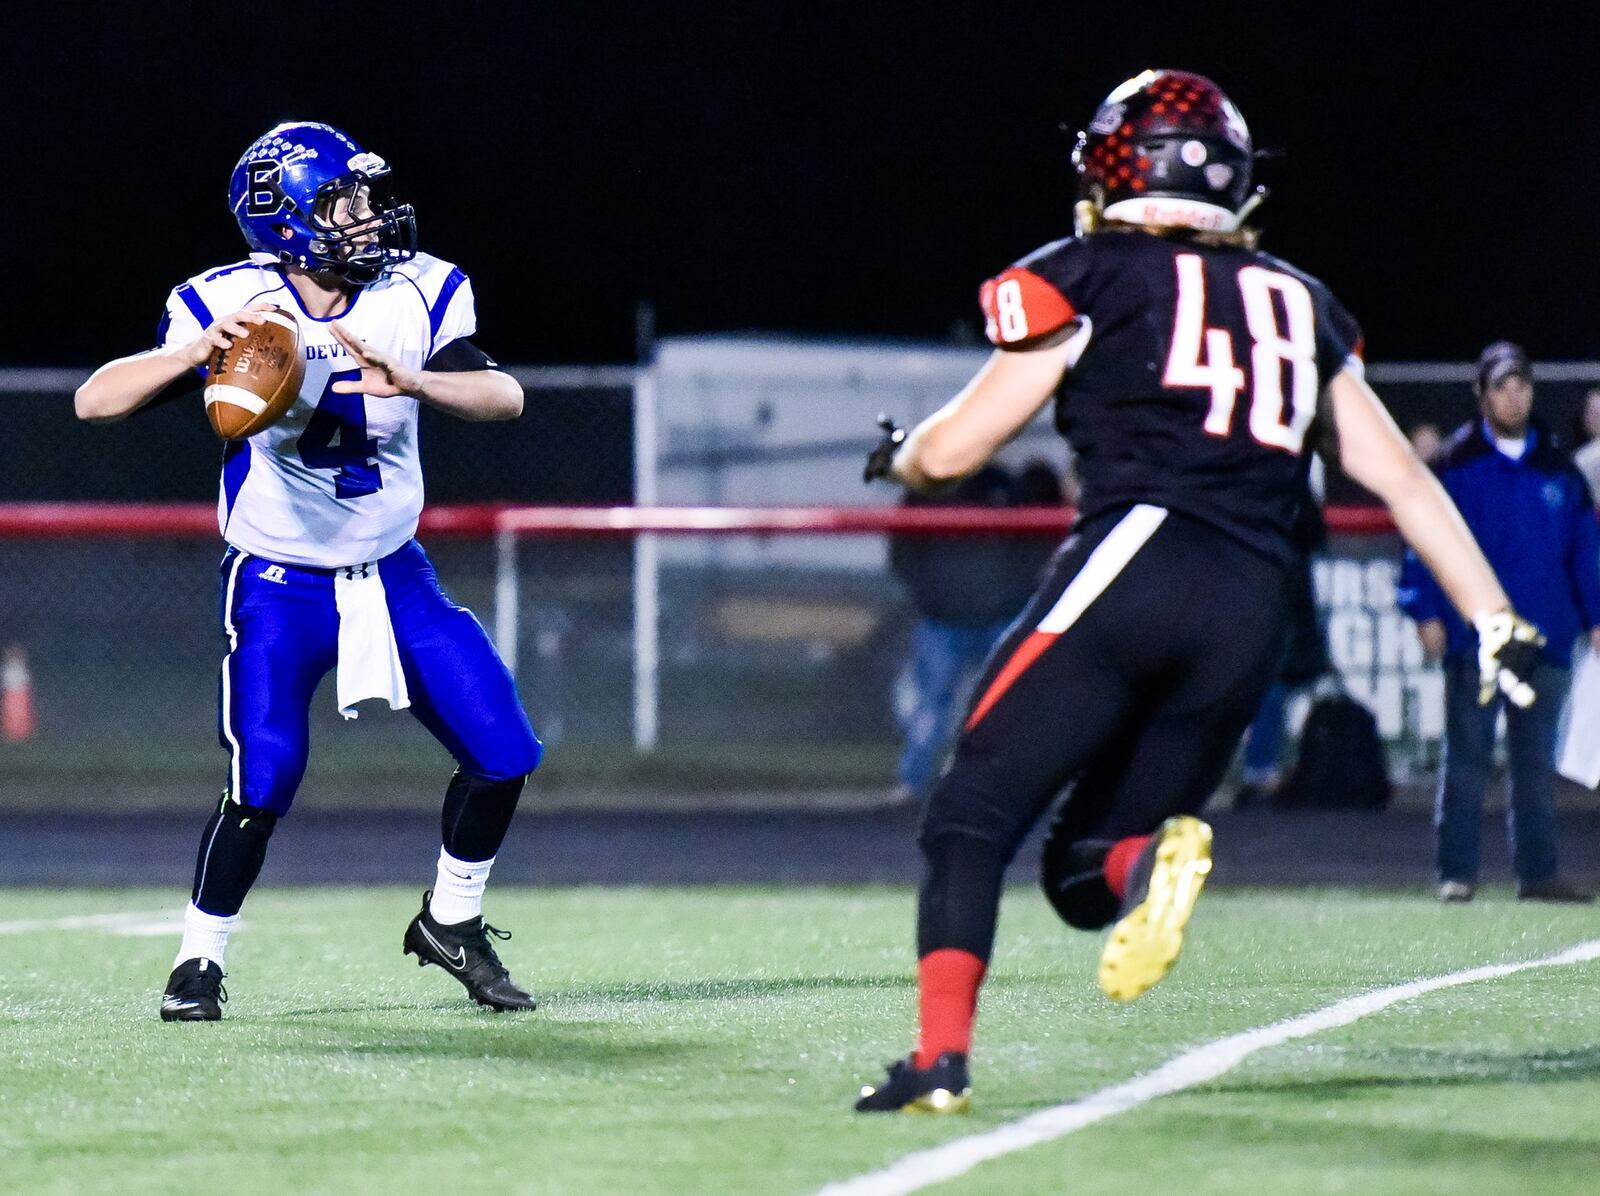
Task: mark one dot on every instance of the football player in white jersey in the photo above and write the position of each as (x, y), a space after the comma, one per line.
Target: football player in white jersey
(319, 512)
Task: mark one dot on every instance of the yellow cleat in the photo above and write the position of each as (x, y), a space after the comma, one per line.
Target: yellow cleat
(1147, 940)
(941, 1101)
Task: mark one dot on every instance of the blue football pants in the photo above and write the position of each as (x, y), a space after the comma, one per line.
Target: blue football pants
(283, 635)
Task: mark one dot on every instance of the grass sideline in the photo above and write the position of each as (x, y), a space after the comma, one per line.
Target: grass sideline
(43, 777)
(710, 1040)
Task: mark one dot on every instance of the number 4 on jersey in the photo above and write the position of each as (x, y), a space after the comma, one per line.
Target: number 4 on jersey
(336, 438)
(1217, 372)
(1272, 347)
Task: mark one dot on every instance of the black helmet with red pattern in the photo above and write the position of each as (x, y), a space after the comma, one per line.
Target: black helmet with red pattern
(1167, 148)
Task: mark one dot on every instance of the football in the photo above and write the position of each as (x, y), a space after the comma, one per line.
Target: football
(255, 380)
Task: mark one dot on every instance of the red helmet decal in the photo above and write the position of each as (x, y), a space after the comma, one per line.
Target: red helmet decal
(1167, 133)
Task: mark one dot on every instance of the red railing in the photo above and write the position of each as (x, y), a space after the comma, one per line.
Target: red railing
(481, 520)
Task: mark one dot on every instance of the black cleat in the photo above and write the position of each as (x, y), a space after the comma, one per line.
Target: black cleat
(194, 993)
(463, 950)
(942, 1088)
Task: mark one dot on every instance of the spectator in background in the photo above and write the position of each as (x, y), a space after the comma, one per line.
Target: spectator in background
(1038, 485)
(1530, 510)
(1426, 441)
(1587, 456)
(1304, 653)
(966, 590)
(1580, 758)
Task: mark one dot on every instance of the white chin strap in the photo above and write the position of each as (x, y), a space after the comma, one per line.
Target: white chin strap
(1173, 212)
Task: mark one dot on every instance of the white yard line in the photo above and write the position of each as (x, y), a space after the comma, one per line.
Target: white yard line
(1192, 1068)
(148, 923)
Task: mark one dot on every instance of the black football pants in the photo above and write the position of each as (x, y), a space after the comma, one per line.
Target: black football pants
(1130, 677)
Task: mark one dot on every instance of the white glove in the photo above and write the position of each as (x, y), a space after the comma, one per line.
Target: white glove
(1508, 650)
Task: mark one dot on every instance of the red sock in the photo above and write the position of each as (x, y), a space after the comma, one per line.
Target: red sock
(948, 981)
(1120, 860)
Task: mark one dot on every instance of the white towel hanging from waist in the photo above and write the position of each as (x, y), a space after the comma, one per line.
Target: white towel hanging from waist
(369, 659)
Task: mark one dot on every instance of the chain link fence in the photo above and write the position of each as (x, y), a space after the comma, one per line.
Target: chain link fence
(765, 674)
(652, 665)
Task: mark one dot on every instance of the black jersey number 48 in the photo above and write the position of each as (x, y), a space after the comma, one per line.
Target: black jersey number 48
(1203, 357)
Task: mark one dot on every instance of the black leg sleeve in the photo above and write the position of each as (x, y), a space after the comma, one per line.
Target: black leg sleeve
(959, 902)
(1073, 877)
(477, 813)
(232, 850)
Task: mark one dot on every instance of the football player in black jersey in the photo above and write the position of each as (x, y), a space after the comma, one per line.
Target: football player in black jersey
(1188, 368)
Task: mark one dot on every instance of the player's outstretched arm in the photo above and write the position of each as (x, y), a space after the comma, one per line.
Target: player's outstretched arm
(1373, 451)
(997, 404)
(468, 394)
(119, 388)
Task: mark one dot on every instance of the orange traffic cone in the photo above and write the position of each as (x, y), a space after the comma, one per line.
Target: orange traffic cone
(16, 696)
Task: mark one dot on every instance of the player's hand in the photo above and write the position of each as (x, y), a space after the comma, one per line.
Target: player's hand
(224, 332)
(880, 461)
(1594, 640)
(381, 375)
(1508, 650)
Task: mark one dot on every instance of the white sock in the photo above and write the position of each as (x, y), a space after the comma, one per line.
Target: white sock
(205, 936)
(458, 889)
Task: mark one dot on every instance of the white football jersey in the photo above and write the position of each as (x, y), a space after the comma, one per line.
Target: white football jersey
(338, 480)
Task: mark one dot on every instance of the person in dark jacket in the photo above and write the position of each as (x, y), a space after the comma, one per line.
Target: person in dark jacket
(1532, 513)
(1304, 659)
(966, 590)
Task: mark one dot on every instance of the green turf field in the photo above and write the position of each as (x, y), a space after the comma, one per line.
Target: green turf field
(709, 1041)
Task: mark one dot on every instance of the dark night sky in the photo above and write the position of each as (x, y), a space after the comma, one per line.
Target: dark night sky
(818, 167)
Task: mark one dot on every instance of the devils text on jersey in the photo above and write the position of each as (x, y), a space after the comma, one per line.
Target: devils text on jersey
(338, 480)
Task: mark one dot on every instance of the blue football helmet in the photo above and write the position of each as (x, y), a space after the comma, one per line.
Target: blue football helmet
(306, 195)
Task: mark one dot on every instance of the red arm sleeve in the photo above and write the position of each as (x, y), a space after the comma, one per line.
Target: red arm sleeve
(1020, 309)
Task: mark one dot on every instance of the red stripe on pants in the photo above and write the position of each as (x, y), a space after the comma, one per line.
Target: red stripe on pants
(1029, 651)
